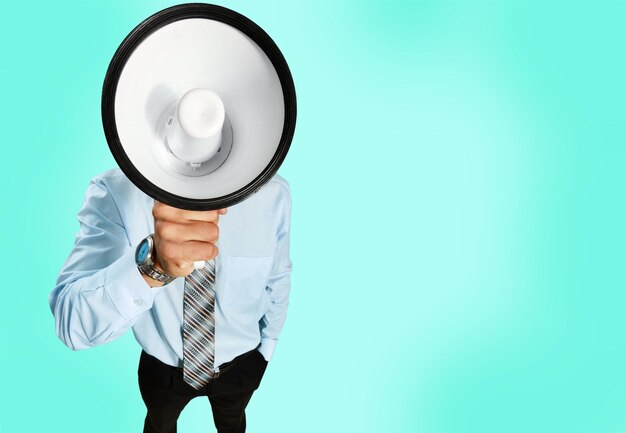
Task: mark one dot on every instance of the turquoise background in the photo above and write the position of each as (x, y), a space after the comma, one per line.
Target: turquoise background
(458, 173)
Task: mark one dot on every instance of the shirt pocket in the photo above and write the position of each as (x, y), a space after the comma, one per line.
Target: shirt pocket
(245, 280)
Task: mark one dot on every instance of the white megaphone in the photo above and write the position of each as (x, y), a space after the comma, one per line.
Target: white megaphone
(198, 107)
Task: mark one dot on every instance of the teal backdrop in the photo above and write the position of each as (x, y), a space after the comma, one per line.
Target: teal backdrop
(459, 217)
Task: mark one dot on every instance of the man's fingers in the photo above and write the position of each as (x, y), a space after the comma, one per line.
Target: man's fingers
(184, 232)
(163, 211)
(194, 251)
(183, 237)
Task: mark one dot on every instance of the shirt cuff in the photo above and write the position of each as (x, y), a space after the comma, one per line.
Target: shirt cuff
(267, 348)
(128, 291)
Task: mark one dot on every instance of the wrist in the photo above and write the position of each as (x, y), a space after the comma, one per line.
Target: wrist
(151, 281)
(155, 264)
(152, 272)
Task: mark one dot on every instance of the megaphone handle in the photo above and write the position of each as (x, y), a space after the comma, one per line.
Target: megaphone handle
(199, 264)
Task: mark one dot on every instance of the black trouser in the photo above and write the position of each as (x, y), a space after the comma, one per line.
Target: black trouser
(165, 393)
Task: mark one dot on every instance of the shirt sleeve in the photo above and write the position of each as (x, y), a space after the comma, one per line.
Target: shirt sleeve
(99, 293)
(279, 284)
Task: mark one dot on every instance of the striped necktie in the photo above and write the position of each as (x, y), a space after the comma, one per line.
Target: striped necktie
(199, 326)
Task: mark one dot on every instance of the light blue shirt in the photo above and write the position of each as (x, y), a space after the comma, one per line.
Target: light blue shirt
(100, 293)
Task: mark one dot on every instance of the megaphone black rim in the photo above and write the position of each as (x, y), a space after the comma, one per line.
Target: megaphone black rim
(125, 50)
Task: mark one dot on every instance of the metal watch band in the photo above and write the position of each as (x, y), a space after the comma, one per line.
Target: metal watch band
(155, 274)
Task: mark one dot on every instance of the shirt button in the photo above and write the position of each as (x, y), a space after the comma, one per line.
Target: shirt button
(138, 302)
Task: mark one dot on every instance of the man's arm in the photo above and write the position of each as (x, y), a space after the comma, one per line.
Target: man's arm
(99, 293)
(279, 283)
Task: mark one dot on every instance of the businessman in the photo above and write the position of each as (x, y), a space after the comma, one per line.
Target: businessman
(203, 332)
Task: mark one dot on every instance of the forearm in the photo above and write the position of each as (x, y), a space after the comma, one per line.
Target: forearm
(271, 324)
(91, 309)
(279, 284)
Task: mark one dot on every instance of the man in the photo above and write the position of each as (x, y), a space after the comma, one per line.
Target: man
(209, 332)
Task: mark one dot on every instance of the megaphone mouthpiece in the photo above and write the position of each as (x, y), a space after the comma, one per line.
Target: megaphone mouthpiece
(194, 132)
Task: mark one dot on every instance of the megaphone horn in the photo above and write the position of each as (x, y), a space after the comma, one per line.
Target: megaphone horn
(198, 107)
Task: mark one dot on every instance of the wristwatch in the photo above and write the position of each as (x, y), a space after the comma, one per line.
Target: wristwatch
(143, 258)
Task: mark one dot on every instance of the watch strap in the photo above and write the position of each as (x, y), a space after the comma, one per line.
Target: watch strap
(155, 274)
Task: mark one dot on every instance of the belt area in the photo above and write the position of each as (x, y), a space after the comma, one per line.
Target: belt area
(227, 365)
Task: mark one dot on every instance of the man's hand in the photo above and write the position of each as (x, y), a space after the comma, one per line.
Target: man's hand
(182, 237)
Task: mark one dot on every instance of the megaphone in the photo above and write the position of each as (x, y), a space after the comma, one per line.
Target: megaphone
(198, 107)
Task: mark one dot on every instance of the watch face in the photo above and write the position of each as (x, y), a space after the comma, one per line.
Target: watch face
(142, 251)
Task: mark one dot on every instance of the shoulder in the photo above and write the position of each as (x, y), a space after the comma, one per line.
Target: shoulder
(116, 183)
(279, 180)
(278, 187)
(275, 195)
(268, 204)
(112, 187)
(112, 178)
